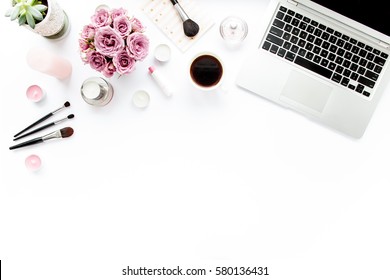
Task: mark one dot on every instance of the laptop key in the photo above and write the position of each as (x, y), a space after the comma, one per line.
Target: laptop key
(287, 45)
(278, 23)
(354, 76)
(302, 52)
(286, 36)
(274, 49)
(378, 69)
(332, 66)
(309, 55)
(360, 88)
(280, 15)
(288, 28)
(345, 81)
(266, 45)
(366, 93)
(317, 59)
(281, 52)
(276, 31)
(287, 18)
(336, 78)
(294, 49)
(290, 56)
(313, 67)
(367, 82)
(379, 60)
(275, 40)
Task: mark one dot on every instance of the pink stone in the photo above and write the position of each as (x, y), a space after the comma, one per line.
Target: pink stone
(49, 63)
(33, 162)
(34, 93)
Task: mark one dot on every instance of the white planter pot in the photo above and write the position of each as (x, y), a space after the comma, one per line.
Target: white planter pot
(55, 25)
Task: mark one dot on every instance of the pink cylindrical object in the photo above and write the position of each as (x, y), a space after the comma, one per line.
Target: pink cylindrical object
(35, 93)
(33, 162)
(49, 63)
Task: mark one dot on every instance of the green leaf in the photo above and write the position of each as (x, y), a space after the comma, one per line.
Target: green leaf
(15, 12)
(35, 13)
(22, 20)
(40, 8)
(9, 12)
(30, 20)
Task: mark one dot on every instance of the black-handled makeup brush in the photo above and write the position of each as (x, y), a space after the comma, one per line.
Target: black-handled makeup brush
(71, 116)
(191, 28)
(66, 104)
(62, 133)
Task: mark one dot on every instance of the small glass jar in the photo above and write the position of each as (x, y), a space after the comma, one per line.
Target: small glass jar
(97, 91)
(233, 29)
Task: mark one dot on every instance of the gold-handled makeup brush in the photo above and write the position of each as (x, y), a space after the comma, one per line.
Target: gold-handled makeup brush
(191, 28)
(62, 133)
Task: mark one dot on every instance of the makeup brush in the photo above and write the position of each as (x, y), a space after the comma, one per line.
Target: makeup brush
(71, 116)
(66, 104)
(62, 133)
(191, 28)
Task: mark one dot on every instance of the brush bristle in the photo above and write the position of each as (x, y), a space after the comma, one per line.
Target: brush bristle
(191, 28)
(67, 104)
(71, 116)
(66, 132)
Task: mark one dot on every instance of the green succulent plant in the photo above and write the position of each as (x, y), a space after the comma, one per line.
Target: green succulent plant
(27, 12)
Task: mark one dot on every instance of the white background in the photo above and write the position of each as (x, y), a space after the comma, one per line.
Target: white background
(199, 180)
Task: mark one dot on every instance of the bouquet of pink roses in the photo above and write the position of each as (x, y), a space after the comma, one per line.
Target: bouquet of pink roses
(113, 42)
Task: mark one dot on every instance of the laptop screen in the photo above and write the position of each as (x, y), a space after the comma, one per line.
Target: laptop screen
(370, 13)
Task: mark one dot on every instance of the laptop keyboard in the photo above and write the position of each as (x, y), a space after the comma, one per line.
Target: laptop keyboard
(325, 51)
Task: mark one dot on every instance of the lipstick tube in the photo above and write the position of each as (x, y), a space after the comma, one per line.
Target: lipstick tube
(161, 81)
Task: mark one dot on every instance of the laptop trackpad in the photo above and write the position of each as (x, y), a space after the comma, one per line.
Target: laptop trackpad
(302, 90)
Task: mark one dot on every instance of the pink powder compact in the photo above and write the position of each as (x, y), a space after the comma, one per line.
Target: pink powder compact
(33, 162)
(35, 93)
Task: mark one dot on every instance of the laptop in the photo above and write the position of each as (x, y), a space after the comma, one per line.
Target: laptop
(326, 59)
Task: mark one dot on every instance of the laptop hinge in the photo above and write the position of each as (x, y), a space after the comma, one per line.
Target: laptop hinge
(382, 44)
(292, 2)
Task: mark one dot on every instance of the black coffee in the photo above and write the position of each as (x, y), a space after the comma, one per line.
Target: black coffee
(206, 70)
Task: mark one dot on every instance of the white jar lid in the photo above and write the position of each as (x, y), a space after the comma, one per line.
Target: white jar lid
(141, 99)
(162, 52)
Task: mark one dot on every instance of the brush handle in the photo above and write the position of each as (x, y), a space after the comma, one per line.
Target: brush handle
(34, 124)
(35, 130)
(27, 143)
(180, 10)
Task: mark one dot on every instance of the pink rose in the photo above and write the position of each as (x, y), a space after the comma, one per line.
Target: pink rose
(123, 62)
(101, 18)
(88, 32)
(108, 42)
(137, 25)
(117, 13)
(97, 60)
(138, 45)
(122, 25)
(109, 70)
(83, 44)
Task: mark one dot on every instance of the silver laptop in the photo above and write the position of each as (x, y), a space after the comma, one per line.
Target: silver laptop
(327, 59)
